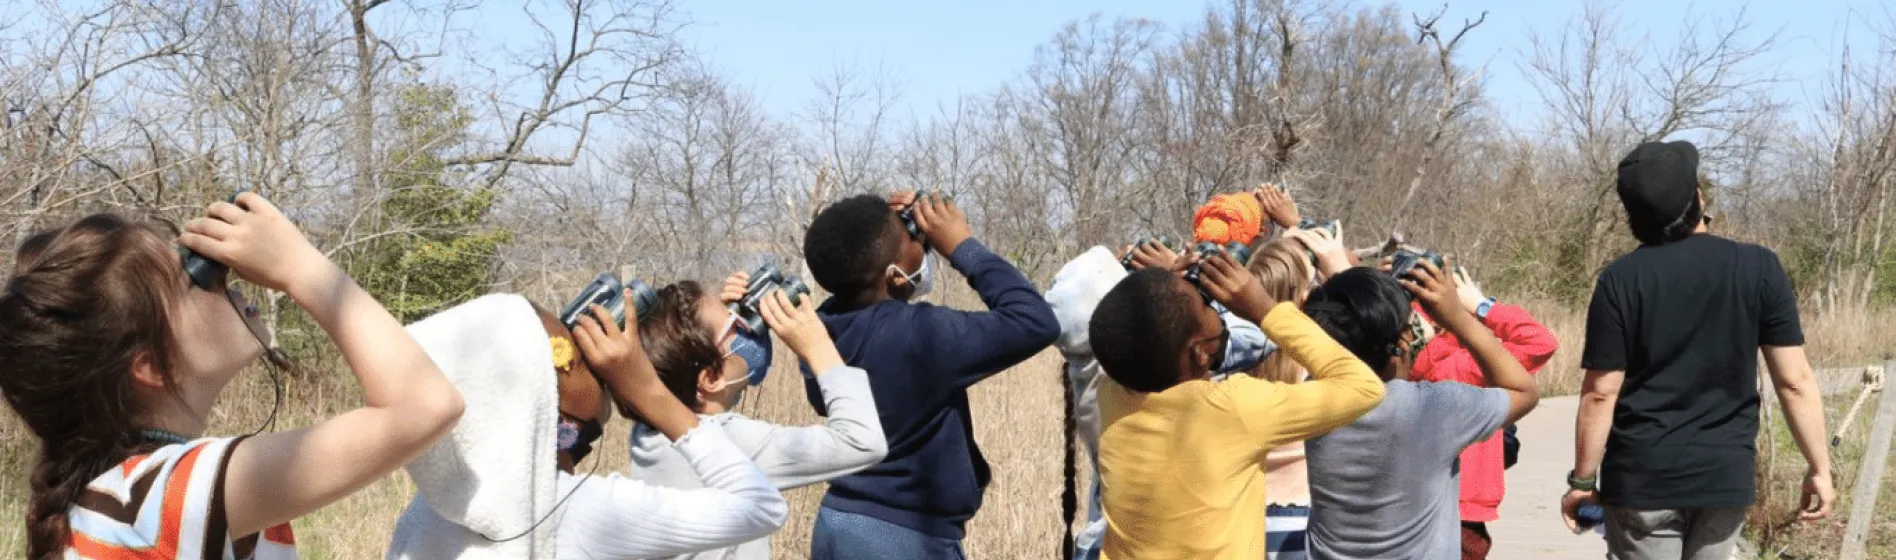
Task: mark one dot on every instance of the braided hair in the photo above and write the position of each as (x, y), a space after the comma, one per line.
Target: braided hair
(83, 305)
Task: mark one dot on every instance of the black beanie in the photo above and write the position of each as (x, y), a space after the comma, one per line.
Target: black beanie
(1658, 182)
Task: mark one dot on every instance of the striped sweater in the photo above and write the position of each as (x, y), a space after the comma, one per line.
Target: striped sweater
(168, 504)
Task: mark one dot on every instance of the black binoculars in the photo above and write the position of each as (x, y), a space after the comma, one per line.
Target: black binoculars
(203, 271)
(768, 278)
(1237, 251)
(908, 213)
(607, 291)
(1406, 259)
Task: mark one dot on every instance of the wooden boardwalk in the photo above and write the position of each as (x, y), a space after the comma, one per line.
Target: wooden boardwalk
(1530, 525)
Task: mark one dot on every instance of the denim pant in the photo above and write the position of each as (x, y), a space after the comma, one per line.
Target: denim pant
(1092, 537)
(844, 536)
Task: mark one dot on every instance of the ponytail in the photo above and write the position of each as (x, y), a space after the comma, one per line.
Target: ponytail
(1069, 498)
(84, 303)
(58, 479)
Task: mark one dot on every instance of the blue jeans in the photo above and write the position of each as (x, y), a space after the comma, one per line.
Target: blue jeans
(1092, 536)
(840, 535)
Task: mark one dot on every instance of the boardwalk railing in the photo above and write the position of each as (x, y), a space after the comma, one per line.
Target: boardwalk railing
(1869, 479)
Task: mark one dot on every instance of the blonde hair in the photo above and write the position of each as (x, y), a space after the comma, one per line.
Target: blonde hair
(1285, 270)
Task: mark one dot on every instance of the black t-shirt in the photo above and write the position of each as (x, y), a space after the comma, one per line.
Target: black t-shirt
(1684, 320)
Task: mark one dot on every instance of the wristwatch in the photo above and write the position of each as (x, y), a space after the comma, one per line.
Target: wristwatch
(1482, 309)
(1588, 484)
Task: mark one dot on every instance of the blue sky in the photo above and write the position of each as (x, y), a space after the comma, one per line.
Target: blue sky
(938, 50)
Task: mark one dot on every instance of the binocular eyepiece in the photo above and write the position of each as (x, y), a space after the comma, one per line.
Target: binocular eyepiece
(768, 278)
(607, 291)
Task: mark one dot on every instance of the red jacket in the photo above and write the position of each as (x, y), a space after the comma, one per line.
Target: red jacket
(1483, 481)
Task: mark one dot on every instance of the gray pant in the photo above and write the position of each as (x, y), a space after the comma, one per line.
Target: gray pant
(1673, 534)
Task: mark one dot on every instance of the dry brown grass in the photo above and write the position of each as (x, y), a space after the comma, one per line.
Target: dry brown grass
(1017, 416)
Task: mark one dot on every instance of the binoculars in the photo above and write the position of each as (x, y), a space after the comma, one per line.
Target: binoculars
(1406, 259)
(908, 213)
(768, 278)
(1166, 241)
(1334, 227)
(203, 271)
(1237, 251)
(607, 291)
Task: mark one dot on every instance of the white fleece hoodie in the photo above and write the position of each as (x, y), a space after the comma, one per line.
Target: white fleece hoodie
(849, 440)
(495, 477)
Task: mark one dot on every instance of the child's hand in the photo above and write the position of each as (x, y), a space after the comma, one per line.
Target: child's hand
(618, 359)
(1230, 284)
(1332, 258)
(801, 330)
(1153, 254)
(1278, 206)
(1435, 291)
(614, 354)
(901, 200)
(942, 223)
(260, 244)
(734, 288)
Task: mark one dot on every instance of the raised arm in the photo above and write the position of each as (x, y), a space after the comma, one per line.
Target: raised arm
(617, 517)
(407, 402)
(1436, 291)
(1018, 322)
(1341, 387)
(1530, 342)
(850, 438)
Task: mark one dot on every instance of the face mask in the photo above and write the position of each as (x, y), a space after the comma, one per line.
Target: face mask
(924, 278)
(754, 348)
(576, 438)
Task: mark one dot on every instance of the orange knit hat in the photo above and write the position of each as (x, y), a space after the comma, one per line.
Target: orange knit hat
(1235, 217)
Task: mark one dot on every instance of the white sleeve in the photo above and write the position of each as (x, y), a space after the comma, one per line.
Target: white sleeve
(849, 440)
(616, 517)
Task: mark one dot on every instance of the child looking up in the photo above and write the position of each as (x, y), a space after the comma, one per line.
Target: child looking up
(1366, 503)
(921, 360)
(708, 358)
(1182, 459)
(114, 358)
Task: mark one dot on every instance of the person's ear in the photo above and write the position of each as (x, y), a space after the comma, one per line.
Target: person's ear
(1201, 359)
(145, 372)
(708, 379)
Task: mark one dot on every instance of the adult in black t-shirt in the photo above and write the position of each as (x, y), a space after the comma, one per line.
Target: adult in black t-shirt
(1669, 408)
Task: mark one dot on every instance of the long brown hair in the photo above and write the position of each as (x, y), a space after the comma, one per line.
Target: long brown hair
(84, 303)
(1284, 269)
(677, 341)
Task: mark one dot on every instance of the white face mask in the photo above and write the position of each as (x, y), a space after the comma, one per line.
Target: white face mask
(924, 277)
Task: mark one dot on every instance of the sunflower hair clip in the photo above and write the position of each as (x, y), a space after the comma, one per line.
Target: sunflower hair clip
(562, 352)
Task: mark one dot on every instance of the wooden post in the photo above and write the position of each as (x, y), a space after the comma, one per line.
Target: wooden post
(1869, 480)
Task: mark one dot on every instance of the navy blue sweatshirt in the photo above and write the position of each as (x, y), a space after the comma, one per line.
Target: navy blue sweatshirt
(921, 359)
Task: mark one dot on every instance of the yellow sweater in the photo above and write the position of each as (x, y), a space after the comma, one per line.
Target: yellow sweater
(1183, 469)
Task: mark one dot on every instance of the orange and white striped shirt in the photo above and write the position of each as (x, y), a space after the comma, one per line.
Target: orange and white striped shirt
(168, 504)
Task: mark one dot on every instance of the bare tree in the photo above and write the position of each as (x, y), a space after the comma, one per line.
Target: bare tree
(1455, 99)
